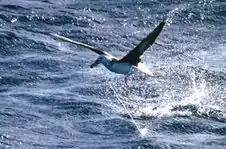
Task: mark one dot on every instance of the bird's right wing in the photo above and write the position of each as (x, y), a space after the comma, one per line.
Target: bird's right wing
(98, 51)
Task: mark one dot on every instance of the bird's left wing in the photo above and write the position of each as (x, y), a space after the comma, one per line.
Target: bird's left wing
(133, 57)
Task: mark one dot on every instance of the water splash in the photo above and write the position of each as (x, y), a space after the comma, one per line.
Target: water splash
(199, 90)
(199, 96)
(175, 12)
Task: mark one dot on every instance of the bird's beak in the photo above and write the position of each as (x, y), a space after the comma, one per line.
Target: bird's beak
(94, 64)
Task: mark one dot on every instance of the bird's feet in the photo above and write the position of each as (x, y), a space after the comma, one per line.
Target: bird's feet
(127, 83)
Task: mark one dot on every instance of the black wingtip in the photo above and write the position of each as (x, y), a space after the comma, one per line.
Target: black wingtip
(161, 24)
(155, 33)
(133, 57)
(158, 29)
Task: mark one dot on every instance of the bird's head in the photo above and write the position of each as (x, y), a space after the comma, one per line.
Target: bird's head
(101, 59)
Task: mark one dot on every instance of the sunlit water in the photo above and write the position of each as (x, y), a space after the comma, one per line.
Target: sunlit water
(50, 98)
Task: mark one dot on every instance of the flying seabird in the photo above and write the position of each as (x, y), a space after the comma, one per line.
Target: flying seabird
(127, 64)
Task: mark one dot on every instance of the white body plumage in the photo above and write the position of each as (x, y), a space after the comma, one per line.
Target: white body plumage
(120, 68)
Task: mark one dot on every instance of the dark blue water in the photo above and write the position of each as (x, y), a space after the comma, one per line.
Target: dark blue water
(50, 98)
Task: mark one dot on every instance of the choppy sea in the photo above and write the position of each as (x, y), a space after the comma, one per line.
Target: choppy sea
(51, 99)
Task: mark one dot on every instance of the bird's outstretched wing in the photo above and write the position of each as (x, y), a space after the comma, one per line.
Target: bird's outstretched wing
(133, 57)
(98, 51)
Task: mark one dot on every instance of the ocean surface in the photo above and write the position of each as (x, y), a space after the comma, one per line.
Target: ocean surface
(51, 99)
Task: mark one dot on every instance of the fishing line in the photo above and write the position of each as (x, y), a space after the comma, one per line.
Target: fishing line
(141, 131)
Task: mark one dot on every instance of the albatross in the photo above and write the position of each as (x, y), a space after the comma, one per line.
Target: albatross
(129, 63)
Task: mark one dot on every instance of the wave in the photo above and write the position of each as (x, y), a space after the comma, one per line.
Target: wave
(49, 96)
